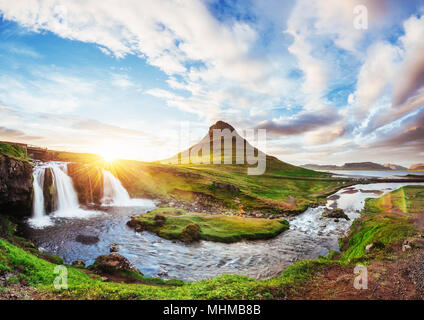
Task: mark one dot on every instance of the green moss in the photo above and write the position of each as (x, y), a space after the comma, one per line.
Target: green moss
(221, 228)
(14, 151)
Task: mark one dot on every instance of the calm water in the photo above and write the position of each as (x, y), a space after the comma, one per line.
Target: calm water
(375, 173)
(309, 236)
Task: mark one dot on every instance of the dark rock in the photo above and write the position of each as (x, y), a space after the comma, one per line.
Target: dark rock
(335, 213)
(190, 233)
(229, 187)
(138, 226)
(159, 220)
(48, 191)
(114, 247)
(114, 262)
(78, 263)
(15, 186)
(85, 239)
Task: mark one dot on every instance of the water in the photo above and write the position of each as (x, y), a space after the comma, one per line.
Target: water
(114, 193)
(39, 217)
(65, 198)
(310, 235)
(375, 173)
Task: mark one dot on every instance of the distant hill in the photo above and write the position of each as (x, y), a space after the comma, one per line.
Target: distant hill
(416, 167)
(394, 166)
(355, 166)
(363, 166)
(320, 167)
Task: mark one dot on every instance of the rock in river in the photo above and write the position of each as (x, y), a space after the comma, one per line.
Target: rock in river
(114, 262)
(335, 213)
(85, 239)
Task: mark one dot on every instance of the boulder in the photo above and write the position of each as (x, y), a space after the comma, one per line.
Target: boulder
(138, 226)
(114, 262)
(190, 233)
(114, 247)
(335, 213)
(78, 263)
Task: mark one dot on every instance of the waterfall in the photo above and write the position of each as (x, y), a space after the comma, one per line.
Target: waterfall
(39, 217)
(114, 194)
(65, 198)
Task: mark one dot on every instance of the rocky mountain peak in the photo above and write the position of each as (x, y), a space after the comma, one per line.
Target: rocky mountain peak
(221, 125)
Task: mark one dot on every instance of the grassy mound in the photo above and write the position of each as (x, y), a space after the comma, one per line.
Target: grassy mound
(220, 228)
(16, 152)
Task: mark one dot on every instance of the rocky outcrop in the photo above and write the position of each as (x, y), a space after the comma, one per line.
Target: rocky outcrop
(335, 213)
(114, 262)
(88, 182)
(48, 191)
(418, 166)
(15, 186)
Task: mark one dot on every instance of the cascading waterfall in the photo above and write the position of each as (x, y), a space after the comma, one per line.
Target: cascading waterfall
(39, 217)
(114, 194)
(65, 198)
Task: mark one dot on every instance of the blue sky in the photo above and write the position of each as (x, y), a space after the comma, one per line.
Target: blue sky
(95, 76)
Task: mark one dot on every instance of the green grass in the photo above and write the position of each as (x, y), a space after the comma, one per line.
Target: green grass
(16, 152)
(221, 228)
(388, 219)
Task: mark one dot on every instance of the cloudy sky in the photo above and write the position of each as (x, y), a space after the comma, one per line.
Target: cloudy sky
(94, 76)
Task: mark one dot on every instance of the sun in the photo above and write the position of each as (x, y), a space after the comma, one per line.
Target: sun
(108, 156)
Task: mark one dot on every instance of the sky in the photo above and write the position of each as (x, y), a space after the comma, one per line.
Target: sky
(122, 77)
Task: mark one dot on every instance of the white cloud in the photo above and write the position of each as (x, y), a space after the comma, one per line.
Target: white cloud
(377, 72)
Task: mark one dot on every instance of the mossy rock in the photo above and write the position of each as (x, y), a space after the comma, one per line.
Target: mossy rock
(191, 233)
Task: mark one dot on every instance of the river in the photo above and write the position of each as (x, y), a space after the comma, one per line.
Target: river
(309, 236)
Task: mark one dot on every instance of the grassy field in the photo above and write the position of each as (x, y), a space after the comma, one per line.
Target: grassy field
(389, 220)
(283, 187)
(220, 228)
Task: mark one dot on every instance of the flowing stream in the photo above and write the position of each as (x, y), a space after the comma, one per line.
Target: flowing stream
(310, 235)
